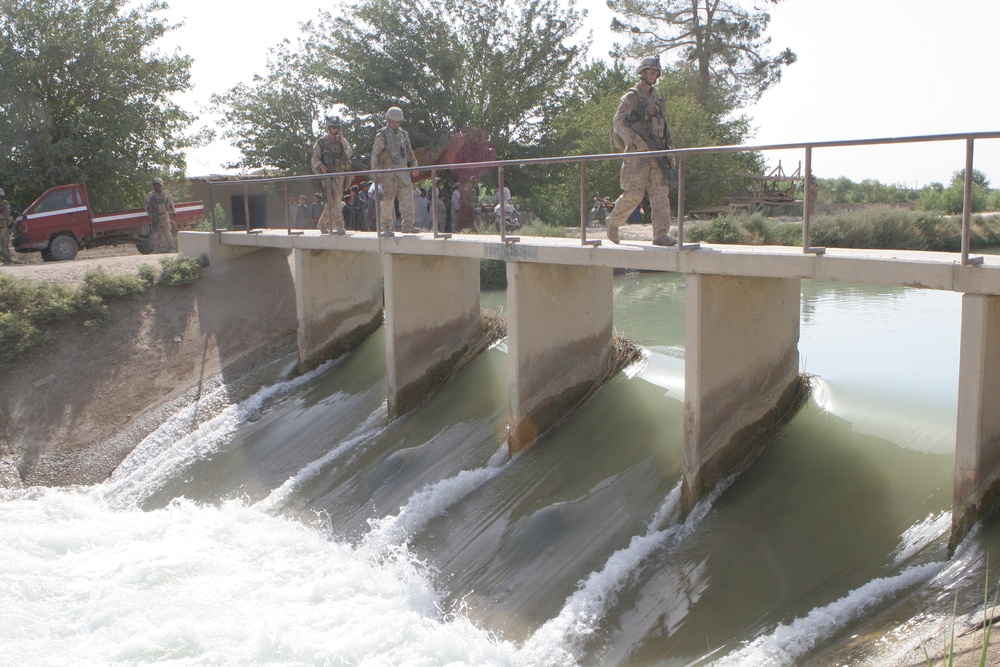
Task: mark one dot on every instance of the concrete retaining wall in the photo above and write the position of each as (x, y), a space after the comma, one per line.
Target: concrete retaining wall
(432, 319)
(338, 300)
(741, 372)
(558, 342)
(977, 441)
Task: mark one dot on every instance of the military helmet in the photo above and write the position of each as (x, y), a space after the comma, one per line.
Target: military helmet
(333, 121)
(2, 193)
(648, 63)
(157, 181)
(394, 113)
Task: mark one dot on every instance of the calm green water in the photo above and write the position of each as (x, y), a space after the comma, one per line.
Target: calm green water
(418, 542)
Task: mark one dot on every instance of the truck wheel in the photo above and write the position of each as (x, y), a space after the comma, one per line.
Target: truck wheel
(47, 256)
(144, 246)
(63, 248)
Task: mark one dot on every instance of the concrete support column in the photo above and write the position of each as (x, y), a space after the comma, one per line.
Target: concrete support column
(741, 372)
(977, 446)
(432, 319)
(558, 342)
(338, 300)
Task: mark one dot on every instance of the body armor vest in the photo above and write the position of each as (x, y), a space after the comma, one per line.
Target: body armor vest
(332, 154)
(651, 112)
(395, 148)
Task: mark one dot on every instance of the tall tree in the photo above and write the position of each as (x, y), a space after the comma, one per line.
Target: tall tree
(85, 95)
(721, 44)
(496, 65)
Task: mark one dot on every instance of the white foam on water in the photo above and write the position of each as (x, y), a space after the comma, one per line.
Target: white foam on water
(183, 440)
(788, 642)
(431, 501)
(367, 431)
(84, 583)
(920, 535)
(560, 641)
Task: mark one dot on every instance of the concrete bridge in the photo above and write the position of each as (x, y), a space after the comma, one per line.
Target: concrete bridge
(742, 329)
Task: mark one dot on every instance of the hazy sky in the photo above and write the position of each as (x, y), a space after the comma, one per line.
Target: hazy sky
(866, 69)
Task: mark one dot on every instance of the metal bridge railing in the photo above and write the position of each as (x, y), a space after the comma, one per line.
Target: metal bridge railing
(679, 153)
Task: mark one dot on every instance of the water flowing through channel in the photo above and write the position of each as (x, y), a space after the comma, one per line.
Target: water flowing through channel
(300, 526)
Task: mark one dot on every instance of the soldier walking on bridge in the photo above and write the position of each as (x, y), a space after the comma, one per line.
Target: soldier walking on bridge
(332, 154)
(643, 111)
(160, 207)
(392, 149)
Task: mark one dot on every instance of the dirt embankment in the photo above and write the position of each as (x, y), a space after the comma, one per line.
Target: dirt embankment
(73, 408)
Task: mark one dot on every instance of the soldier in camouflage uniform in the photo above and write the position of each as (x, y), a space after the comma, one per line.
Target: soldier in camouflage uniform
(160, 207)
(5, 229)
(392, 149)
(332, 154)
(640, 176)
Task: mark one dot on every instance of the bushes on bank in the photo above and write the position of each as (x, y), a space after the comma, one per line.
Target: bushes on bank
(27, 308)
(884, 227)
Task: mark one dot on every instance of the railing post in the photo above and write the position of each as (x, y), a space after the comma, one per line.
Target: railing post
(583, 207)
(967, 208)
(246, 210)
(501, 218)
(434, 207)
(680, 201)
(807, 205)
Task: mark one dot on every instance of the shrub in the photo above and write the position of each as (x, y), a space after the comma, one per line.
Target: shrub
(104, 286)
(17, 334)
(147, 273)
(177, 271)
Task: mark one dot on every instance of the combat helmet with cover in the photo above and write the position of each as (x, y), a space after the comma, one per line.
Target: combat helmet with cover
(394, 113)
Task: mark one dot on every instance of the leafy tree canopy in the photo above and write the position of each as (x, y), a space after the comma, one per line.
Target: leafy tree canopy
(719, 44)
(85, 95)
(494, 65)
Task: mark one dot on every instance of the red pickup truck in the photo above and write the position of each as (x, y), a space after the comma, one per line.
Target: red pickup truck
(59, 223)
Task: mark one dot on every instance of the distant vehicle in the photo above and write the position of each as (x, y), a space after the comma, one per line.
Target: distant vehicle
(60, 223)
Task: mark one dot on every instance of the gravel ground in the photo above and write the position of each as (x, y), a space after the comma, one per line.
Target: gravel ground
(115, 260)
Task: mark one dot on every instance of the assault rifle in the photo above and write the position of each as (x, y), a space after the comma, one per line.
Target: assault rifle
(654, 145)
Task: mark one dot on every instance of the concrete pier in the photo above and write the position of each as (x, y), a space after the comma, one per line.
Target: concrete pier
(741, 372)
(432, 320)
(338, 300)
(977, 446)
(559, 333)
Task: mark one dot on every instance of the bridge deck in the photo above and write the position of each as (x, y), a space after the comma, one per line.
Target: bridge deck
(907, 268)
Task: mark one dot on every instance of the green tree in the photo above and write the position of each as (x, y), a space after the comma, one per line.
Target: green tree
(936, 197)
(719, 45)
(272, 121)
(497, 66)
(85, 95)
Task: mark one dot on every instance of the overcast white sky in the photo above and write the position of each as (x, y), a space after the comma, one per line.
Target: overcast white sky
(866, 69)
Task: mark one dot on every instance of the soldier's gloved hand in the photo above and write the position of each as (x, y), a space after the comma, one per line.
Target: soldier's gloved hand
(639, 144)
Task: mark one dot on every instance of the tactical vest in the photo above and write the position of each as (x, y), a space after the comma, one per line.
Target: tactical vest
(395, 149)
(651, 112)
(332, 153)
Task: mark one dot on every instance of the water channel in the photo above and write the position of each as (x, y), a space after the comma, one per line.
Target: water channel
(300, 527)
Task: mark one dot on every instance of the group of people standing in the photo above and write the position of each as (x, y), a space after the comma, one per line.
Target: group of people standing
(640, 120)
(332, 155)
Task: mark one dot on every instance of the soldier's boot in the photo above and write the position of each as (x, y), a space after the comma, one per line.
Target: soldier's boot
(661, 236)
(613, 234)
(409, 228)
(339, 231)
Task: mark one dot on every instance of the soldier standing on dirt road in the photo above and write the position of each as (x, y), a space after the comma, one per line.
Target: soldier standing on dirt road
(332, 154)
(5, 229)
(160, 207)
(643, 105)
